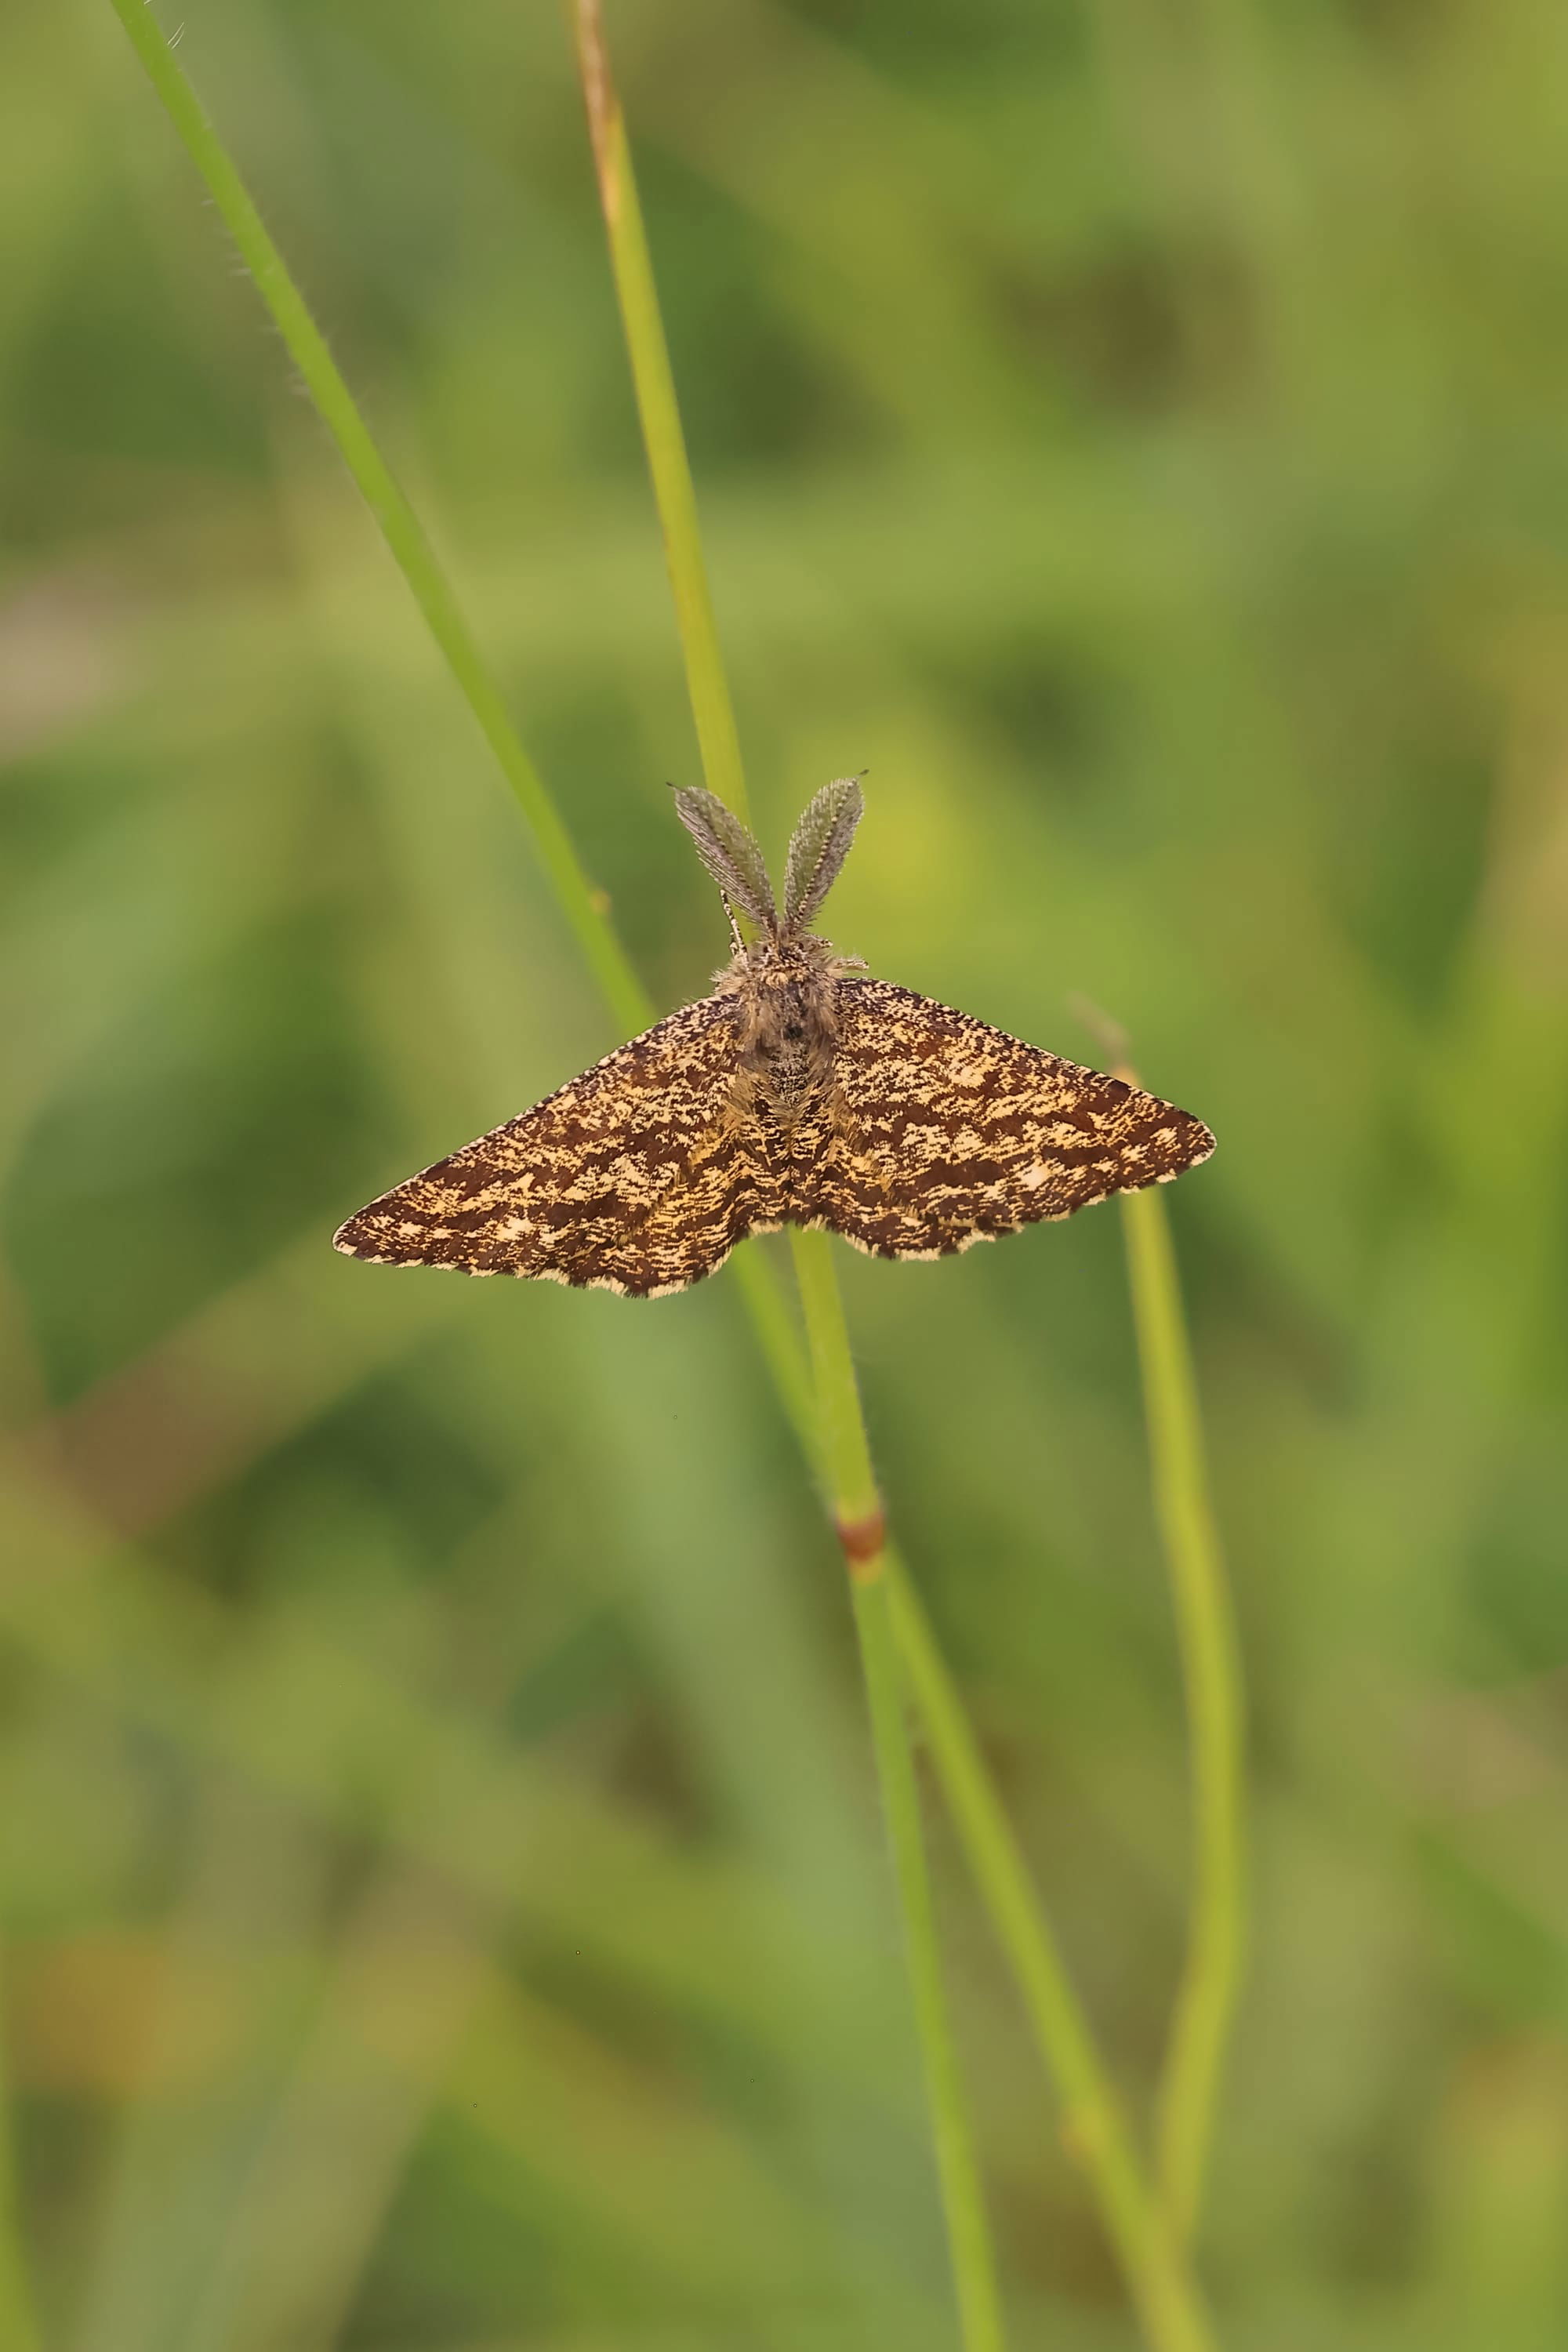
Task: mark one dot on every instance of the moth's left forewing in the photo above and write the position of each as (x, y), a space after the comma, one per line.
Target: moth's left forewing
(622, 1180)
(948, 1131)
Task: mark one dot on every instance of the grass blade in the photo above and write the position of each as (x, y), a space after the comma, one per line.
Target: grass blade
(963, 2196)
(1167, 2300)
(1212, 1976)
(400, 526)
(840, 1447)
(659, 413)
(857, 1515)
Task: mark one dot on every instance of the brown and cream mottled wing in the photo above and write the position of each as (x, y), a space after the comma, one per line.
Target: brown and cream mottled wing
(947, 1131)
(632, 1177)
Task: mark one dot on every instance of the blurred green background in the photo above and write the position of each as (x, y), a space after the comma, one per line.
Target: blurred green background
(444, 1905)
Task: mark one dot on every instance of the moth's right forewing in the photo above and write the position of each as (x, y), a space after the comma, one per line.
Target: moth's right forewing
(948, 1130)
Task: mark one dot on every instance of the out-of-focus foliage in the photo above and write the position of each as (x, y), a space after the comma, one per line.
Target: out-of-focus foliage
(445, 1907)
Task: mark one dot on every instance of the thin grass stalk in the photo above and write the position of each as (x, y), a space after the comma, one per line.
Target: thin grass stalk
(1168, 2304)
(841, 1447)
(1211, 1978)
(1188, 2094)
(589, 921)
(775, 1331)
(963, 2196)
(846, 1464)
(400, 527)
(659, 413)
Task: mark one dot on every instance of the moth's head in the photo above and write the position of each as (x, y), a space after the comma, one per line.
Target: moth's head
(817, 849)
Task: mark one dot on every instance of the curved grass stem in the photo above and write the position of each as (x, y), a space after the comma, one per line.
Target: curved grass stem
(844, 1449)
(1211, 1979)
(1094, 2125)
(962, 2198)
(839, 1430)
(659, 413)
(846, 1464)
(400, 526)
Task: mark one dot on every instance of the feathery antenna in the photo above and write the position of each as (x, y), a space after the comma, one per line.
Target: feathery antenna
(731, 854)
(819, 848)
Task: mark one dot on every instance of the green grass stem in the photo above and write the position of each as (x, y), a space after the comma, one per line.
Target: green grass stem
(845, 1458)
(1211, 1979)
(659, 412)
(1094, 2124)
(844, 1449)
(840, 1450)
(776, 1332)
(963, 2196)
(411, 550)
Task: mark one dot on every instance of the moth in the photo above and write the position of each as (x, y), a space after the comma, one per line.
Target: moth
(800, 1091)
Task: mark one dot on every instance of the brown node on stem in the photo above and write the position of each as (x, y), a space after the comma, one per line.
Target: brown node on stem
(863, 1539)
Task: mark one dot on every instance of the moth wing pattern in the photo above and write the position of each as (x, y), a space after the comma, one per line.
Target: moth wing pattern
(947, 1131)
(631, 1178)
